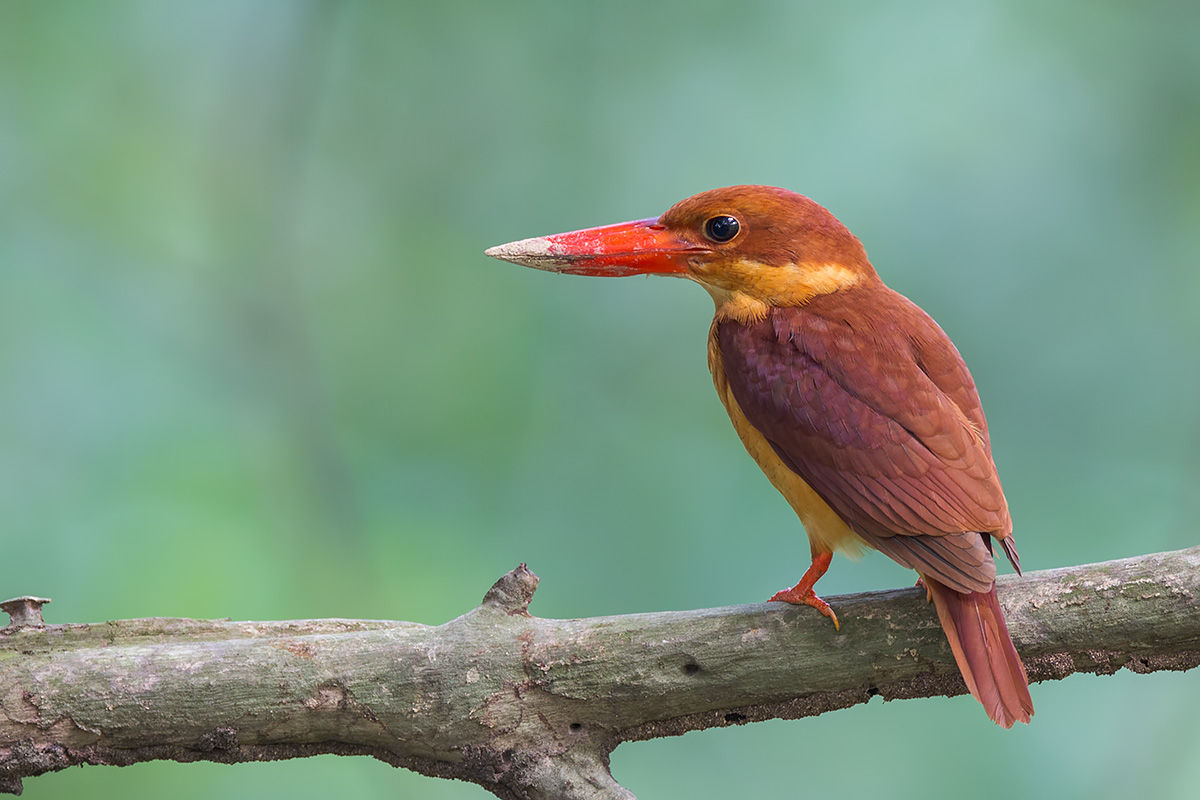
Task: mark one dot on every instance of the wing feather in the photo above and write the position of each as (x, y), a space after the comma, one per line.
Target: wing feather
(867, 400)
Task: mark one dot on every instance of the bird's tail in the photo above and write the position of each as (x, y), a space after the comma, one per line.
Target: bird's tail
(984, 651)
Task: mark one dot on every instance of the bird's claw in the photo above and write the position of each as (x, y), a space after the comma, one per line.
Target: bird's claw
(798, 597)
(920, 584)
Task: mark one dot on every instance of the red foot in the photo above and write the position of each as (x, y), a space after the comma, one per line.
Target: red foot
(810, 599)
(928, 592)
(802, 593)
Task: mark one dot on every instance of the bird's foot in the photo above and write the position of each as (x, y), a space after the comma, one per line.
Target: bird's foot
(920, 584)
(801, 595)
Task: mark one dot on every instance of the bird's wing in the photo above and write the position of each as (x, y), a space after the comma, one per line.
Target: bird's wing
(871, 404)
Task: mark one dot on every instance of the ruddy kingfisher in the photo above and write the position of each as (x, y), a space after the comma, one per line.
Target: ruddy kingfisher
(850, 398)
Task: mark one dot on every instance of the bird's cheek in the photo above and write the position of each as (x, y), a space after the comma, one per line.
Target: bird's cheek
(707, 271)
(711, 274)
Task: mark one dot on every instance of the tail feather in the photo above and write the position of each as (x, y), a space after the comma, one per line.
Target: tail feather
(984, 651)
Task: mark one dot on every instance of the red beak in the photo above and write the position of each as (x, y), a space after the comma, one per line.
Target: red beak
(643, 247)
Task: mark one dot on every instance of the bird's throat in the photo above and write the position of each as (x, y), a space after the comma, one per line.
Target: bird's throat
(758, 288)
(737, 306)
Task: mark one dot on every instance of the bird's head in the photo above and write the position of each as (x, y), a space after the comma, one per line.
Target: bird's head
(751, 247)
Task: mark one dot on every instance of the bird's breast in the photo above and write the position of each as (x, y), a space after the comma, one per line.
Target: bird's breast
(827, 532)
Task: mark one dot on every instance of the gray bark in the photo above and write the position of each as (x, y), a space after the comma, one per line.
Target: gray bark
(529, 707)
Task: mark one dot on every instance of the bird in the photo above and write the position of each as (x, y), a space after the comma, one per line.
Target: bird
(850, 398)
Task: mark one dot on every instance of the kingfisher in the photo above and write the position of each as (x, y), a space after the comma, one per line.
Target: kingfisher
(850, 398)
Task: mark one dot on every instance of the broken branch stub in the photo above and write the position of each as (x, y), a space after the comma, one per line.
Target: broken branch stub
(25, 612)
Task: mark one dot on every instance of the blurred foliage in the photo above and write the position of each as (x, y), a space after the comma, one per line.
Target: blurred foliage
(253, 362)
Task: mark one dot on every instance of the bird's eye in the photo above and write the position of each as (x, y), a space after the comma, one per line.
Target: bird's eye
(721, 228)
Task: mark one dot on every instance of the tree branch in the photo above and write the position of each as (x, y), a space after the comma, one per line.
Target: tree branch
(529, 707)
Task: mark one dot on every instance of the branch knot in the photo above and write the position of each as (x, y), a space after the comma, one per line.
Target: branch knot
(25, 612)
(513, 592)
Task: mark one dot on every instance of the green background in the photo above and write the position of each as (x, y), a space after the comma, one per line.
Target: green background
(253, 363)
